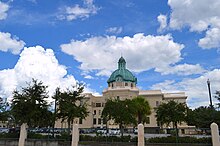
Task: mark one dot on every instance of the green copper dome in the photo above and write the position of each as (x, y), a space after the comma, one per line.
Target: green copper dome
(122, 74)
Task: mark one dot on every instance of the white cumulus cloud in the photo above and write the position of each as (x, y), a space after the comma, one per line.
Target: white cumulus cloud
(196, 89)
(162, 19)
(3, 10)
(211, 40)
(78, 12)
(10, 43)
(142, 53)
(38, 63)
(182, 69)
(114, 30)
(199, 16)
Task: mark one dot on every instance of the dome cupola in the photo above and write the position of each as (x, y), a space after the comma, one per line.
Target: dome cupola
(122, 74)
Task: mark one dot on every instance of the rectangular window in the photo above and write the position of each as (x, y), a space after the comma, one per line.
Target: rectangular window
(94, 112)
(148, 120)
(100, 112)
(157, 103)
(98, 104)
(94, 121)
(80, 120)
(99, 121)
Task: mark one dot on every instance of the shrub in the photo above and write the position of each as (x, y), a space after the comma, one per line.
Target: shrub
(172, 139)
(37, 136)
(9, 135)
(64, 136)
(107, 138)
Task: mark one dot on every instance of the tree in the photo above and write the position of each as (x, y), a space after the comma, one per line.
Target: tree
(4, 107)
(217, 96)
(190, 117)
(141, 109)
(171, 112)
(29, 105)
(70, 104)
(121, 111)
(203, 116)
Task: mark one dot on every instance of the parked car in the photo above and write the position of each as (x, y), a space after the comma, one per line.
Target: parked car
(4, 130)
(114, 132)
(135, 131)
(14, 130)
(101, 131)
(86, 131)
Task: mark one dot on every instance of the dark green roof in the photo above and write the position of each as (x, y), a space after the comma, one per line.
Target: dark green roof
(122, 72)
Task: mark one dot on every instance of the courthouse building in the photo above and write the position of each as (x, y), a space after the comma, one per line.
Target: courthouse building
(122, 84)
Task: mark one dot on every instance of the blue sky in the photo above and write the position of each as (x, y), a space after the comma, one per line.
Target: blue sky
(169, 45)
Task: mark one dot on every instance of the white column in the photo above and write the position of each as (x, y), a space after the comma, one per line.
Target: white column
(75, 135)
(215, 134)
(23, 134)
(140, 135)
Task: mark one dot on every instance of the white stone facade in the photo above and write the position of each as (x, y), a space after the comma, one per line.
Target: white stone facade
(122, 85)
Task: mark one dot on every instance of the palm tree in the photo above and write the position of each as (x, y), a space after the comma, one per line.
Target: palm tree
(142, 109)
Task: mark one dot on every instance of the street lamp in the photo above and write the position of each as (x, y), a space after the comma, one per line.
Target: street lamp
(210, 97)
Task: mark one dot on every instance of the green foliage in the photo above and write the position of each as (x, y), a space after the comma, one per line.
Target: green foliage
(202, 117)
(64, 136)
(9, 135)
(29, 105)
(4, 112)
(86, 138)
(121, 111)
(217, 96)
(108, 138)
(141, 109)
(180, 140)
(190, 117)
(37, 136)
(171, 112)
(71, 104)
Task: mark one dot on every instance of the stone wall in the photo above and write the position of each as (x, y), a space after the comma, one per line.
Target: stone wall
(33, 142)
(29, 142)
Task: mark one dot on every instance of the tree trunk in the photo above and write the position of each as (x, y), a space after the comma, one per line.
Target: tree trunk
(139, 118)
(68, 130)
(121, 129)
(177, 133)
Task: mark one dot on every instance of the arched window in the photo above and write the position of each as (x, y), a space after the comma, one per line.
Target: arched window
(131, 84)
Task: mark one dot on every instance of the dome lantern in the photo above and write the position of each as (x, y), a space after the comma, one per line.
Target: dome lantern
(121, 63)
